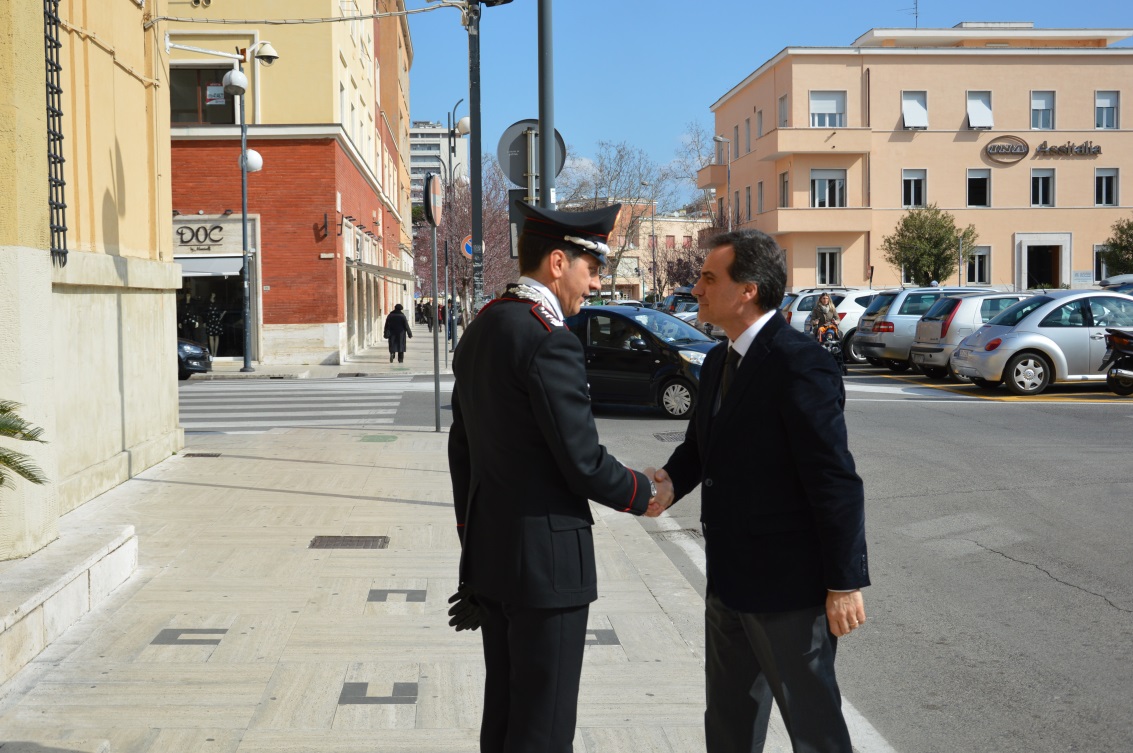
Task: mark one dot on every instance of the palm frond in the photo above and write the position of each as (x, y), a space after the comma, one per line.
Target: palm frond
(19, 463)
(15, 427)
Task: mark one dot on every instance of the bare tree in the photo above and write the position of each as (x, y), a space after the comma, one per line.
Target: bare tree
(696, 152)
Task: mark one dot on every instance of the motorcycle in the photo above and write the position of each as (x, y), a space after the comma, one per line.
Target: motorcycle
(1118, 360)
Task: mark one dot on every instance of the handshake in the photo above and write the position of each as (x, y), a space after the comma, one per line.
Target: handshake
(664, 497)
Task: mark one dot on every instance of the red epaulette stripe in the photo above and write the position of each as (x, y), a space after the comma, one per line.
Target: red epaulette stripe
(541, 319)
(634, 495)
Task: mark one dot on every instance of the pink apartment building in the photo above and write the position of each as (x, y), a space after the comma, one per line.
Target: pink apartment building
(1023, 132)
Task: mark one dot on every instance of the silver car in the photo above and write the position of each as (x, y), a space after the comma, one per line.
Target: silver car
(1058, 336)
(888, 326)
(950, 320)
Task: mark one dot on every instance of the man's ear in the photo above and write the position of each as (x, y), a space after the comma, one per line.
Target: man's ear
(751, 292)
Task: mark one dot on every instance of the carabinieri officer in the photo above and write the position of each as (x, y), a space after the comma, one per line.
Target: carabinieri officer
(525, 457)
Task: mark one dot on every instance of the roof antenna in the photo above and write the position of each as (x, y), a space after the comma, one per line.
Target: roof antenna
(916, 11)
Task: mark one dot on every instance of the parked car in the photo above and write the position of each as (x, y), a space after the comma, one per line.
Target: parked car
(641, 356)
(950, 320)
(888, 326)
(680, 295)
(850, 303)
(192, 358)
(1058, 336)
(691, 316)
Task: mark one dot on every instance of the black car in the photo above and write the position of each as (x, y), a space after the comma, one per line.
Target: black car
(638, 355)
(192, 358)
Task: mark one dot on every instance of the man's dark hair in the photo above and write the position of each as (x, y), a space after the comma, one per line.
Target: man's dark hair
(758, 260)
(534, 248)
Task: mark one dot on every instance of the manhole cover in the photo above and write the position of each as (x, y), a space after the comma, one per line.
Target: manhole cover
(379, 438)
(201, 455)
(670, 436)
(349, 542)
(683, 533)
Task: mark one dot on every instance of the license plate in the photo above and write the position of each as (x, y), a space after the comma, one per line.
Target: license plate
(918, 358)
(961, 355)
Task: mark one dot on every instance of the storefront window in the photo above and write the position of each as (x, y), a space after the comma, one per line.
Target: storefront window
(210, 311)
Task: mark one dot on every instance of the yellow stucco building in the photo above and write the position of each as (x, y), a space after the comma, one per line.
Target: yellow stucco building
(1022, 132)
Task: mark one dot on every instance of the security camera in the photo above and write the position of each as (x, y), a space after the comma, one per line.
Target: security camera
(266, 54)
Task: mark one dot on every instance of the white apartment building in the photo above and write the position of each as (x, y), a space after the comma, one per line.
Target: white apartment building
(429, 153)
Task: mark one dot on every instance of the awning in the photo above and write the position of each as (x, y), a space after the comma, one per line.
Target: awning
(914, 110)
(979, 110)
(209, 266)
(374, 269)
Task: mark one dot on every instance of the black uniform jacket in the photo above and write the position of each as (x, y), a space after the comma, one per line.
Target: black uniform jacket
(782, 506)
(524, 458)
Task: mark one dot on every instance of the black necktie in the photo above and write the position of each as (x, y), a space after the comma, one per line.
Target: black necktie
(730, 366)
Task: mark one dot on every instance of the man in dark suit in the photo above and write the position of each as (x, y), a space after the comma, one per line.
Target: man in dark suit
(524, 457)
(781, 505)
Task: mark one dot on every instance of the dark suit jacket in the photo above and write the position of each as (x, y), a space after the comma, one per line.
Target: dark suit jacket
(781, 503)
(524, 457)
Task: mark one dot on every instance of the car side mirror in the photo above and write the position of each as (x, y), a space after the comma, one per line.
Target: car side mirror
(638, 344)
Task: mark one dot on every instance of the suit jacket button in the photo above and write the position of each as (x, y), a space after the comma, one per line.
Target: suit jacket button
(708, 483)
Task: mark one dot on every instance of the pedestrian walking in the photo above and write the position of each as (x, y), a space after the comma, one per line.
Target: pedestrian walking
(524, 457)
(396, 331)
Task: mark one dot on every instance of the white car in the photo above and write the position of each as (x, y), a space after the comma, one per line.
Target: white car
(849, 302)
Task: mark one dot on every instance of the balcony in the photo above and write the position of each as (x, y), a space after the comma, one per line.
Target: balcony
(815, 220)
(712, 176)
(784, 141)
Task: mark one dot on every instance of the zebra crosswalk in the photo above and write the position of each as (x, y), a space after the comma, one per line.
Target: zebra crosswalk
(259, 405)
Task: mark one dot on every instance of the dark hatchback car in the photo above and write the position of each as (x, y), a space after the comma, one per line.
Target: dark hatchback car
(641, 356)
(192, 358)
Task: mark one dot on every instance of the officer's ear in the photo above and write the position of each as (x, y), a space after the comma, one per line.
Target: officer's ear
(557, 263)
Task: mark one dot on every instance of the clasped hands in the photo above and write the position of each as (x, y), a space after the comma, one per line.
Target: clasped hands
(664, 497)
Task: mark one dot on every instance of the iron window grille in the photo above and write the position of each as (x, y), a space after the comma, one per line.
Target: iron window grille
(56, 183)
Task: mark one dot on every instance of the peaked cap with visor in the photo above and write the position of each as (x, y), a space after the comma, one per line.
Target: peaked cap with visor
(586, 231)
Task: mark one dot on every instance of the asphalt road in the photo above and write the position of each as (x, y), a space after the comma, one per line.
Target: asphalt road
(1001, 615)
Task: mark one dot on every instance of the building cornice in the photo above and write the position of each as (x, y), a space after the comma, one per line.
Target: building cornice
(921, 52)
(282, 132)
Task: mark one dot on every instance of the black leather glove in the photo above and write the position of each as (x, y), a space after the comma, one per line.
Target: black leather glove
(465, 611)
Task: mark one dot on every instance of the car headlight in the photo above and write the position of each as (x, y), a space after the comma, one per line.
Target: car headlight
(190, 350)
(695, 357)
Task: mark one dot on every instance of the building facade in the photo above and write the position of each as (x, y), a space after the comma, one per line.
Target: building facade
(429, 153)
(1022, 132)
(87, 278)
(328, 214)
(649, 242)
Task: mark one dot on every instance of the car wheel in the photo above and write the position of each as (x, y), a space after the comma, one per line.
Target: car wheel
(1120, 385)
(895, 366)
(874, 361)
(678, 398)
(985, 384)
(850, 349)
(957, 376)
(935, 372)
(182, 374)
(1027, 374)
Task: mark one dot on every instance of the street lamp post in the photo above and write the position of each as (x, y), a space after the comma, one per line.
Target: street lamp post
(653, 232)
(236, 84)
(721, 140)
(455, 128)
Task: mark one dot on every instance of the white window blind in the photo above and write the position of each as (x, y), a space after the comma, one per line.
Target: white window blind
(914, 109)
(979, 110)
(827, 109)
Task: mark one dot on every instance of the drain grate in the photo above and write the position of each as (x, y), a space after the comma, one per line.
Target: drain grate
(670, 436)
(201, 455)
(379, 438)
(349, 542)
(682, 533)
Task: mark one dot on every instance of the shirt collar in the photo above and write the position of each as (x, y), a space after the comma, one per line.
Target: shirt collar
(744, 341)
(549, 298)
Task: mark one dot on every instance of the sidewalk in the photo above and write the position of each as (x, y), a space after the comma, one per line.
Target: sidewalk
(234, 635)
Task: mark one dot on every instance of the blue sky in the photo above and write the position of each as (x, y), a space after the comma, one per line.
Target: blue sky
(639, 71)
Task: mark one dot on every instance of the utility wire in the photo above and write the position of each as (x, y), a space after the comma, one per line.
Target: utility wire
(461, 6)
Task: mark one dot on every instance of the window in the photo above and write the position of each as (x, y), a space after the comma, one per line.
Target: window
(828, 188)
(979, 110)
(979, 267)
(827, 109)
(912, 188)
(747, 203)
(720, 208)
(1100, 272)
(747, 135)
(1106, 311)
(1105, 110)
(784, 190)
(1042, 110)
(914, 110)
(784, 113)
(736, 205)
(758, 123)
(1042, 187)
(1067, 315)
(829, 266)
(907, 277)
(993, 307)
(979, 188)
(1105, 186)
(686, 242)
(197, 97)
(759, 197)
(736, 138)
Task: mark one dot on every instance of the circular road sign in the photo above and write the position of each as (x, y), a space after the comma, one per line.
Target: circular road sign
(512, 151)
(434, 199)
(466, 246)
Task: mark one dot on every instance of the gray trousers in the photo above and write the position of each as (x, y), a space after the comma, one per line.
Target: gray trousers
(755, 658)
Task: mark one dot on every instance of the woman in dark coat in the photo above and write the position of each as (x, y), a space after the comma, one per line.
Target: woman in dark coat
(396, 330)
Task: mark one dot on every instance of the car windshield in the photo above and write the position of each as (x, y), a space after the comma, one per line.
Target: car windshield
(880, 305)
(787, 301)
(1015, 314)
(668, 328)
